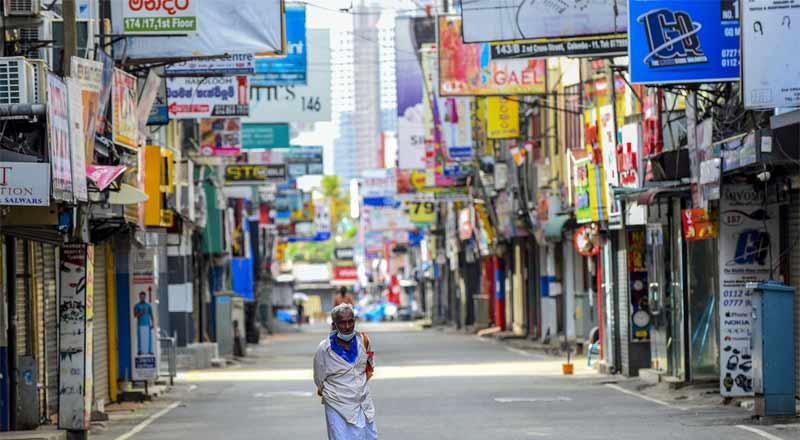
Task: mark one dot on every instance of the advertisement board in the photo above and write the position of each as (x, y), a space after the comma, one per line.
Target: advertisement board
(457, 127)
(594, 46)
(144, 314)
(253, 26)
(746, 232)
(220, 137)
(232, 64)
(196, 97)
(123, 115)
(769, 48)
(75, 336)
(264, 136)
(289, 69)
(608, 144)
(410, 34)
(105, 91)
(304, 160)
(502, 20)
(254, 174)
(683, 41)
(140, 17)
(77, 135)
(502, 117)
(344, 253)
(385, 218)
(25, 183)
(90, 75)
(468, 70)
(379, 186)
(58, 137)
(298, 103)
(345, 273)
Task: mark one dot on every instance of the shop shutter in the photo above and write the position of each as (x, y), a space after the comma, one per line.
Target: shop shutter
(794, 275)
(50, 253)
(623, 301)
(37, 282)
(22, 322)
(100, 331)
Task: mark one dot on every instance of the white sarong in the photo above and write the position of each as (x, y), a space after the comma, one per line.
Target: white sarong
(339, 429)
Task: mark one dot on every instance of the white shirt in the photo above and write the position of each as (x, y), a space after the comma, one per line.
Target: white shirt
(343, 385)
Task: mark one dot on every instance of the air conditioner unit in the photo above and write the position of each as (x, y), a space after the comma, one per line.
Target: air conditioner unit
(14, 81)
(37, 40)
(21, 8)
(37, 81)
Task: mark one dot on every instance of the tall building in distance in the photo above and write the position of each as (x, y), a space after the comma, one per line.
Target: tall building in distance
(367, 94)
(343, 95)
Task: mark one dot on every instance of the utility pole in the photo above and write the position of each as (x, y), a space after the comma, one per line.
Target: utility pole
(70, 34)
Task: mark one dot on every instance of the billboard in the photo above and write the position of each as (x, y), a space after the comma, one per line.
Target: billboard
(125, 124)
(264, 136)
(503, 20)
(410, 35)
(198, 97)
(289, 69)
(298, 103)
(769, 49)
(253, 26)
(469, 70)
(304, 160)
(220, 137)
(683, 41)
(58, 137)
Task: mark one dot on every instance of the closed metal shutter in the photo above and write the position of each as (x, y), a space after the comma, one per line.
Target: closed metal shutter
(50, 254)
(623, 301)
(794, 276)
(37, 256)
(22, 322)
(100, 338)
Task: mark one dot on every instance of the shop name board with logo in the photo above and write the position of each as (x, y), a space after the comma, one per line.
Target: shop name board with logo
(290, 69)
(682, 41)
(154, 17)
(558, 47)
(24, 184)
(344, 254)
(250, 174)
(195, 97)
(346, 273)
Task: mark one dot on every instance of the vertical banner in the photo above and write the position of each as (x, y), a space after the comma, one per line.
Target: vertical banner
(124, 117)
(747, 230)
(105, 91)
(77, 132)
(144, 328)
(75, 336)
(503, 117)
(608, 144)
(58, 137)
(90, 75)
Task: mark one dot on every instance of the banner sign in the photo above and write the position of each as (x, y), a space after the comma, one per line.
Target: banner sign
(223, 96)
(297, 103)
(75, 332)
(601, 45)
(457, 127)
(265, 136)
(25, 183)
(385, 218)
(421, 213)
(220, 137)
(90, 75)
(77, 134)
(410, 35)
(344, 254)
(289, 69)
(608, 146)
(304, 161)
(124, 123)
(496, 20)
(105, 91)
(144, 314)
(502, 117)
(233, 64)
(746, 232)
(159, 112)
(468, 70)
(345, 273)
(379, 185)
(58, 137)
(254, 174)
(253, 26)
(683, 41)
(769, 51)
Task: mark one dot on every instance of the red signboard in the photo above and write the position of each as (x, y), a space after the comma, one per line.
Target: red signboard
(698, 225)
(345, 273)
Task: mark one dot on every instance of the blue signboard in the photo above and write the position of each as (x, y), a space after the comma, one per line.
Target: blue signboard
(291, 69)
(683, 41)
(264, 136)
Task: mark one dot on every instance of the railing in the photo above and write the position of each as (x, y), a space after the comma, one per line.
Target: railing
(169, 358)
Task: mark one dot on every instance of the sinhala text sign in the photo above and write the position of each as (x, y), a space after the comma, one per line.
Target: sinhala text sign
(145, 17)
(747, 230)
(196, 97)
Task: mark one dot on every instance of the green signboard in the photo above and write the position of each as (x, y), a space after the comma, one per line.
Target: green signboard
(265, 136)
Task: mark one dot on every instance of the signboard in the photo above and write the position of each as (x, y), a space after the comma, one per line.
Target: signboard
(196, 97)
(580, 176)
(502, 117)
(683, 41)
(344, 254)
(468, 70)
(264, 136)
(496, 20)
(147, 99)
(465, 221)
(254, 174)
(345, 273)
(608, 144)
(410, 35)
(698, 225)
(289, 69)
(77, 139)
(232, 64)
(769, 49)
(421, 213)
(629, 155)
(26, 183)
(253, 26)
(298, 103)
(75, 336)
(90, 75)
(105, 91)
(457, 127)
(385, 218)
(594, 46)
(144, 314)
(746, 232)
(379, 186)
(304, 160)
(220, 137)
(141, 17)
(58, 137)
(124, 122)
(159, 112)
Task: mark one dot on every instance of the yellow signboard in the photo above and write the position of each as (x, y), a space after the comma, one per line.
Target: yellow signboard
(503, 117)
(421, 213)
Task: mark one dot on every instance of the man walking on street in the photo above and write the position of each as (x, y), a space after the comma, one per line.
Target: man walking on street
(343, 298)
(342, 368)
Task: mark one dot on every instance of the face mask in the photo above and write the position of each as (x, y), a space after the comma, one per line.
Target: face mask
(346, 337)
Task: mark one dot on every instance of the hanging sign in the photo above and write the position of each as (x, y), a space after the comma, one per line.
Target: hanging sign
(421, 213)
(220, 137)
(586, 240)
(503, 117)
(58, 137)
(698, 225)
(196, 97)
(125, 124)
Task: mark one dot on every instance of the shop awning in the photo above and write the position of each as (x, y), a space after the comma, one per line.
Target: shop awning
(127, 195)
(650, 195)
(555, 226)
